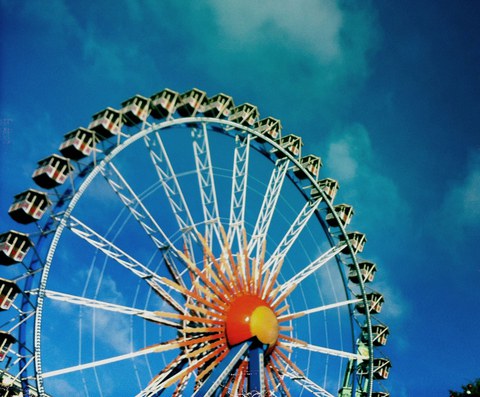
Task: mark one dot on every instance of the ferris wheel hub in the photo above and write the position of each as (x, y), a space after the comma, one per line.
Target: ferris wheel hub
(249, 316)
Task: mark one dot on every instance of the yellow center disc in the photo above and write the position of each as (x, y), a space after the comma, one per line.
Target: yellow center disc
(264, 325)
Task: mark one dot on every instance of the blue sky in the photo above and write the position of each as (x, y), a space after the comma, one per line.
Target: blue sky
(387, 94)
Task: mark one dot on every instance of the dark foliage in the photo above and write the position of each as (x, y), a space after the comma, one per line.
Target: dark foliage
(470, 390)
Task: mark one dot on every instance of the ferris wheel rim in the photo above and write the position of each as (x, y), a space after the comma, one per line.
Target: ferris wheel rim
(154, 127)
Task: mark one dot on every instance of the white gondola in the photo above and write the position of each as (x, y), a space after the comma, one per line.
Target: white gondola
(219, 106)
(191, 102)
(135, 110)
(357, 241)
(375, 302)
(245, 114)
(381, 368)
(13, 247)
(345, 392)
(8, 293)
(29, 206)
(269, 127)
(367, 272)
(380, 334)
(164, 103)
(6, 341)
(344, 213)
(106, 123)
(380, 394)
(78, 143)
(329, 186)
(7, 390)
(11, 386)
(52, 171)
(311, 163)
(291, 143)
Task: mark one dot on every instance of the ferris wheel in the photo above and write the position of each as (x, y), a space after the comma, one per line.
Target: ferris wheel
(183, 246)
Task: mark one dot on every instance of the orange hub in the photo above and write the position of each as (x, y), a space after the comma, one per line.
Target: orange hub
(248, 317)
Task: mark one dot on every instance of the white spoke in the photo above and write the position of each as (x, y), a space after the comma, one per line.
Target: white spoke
(125, 260)
(291, 236)
(325, 350)
(154, 349)
(206, 182)
(77, 300)
(268, 206)
(307, 271)
(169, 181)
(19, 320)
(158, 383)
(16, 378)
(302, 313)
(162, 382)
(128, 197)
(239, 189)
(308, 384)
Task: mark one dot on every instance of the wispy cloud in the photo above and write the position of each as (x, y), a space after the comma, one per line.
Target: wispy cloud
(275, 50)
(455, 220)
(251, 22)
(259, 48)
(58, 19)
(62, 26)
(61, 387)
(380, 211)
(323, 47)
(396, 308)
(110, 329)
(352, 160)
(461, 205)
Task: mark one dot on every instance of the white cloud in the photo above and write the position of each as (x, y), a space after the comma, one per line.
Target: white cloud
(115, 60)
(107, 287)
(111, 56)
(112, 330)
(296, 58)
(311, 25)
(396, 307)
(38, 124)
(58, 19)
(351, 159)
(462, 201)
(341, 160)
(60, 387)
(63, 308)
(457, 219)
(348, 147)
(380, 210)
(269, 49)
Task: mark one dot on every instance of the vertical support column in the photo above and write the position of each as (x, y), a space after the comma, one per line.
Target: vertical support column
(256, 379)
(222, 370)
